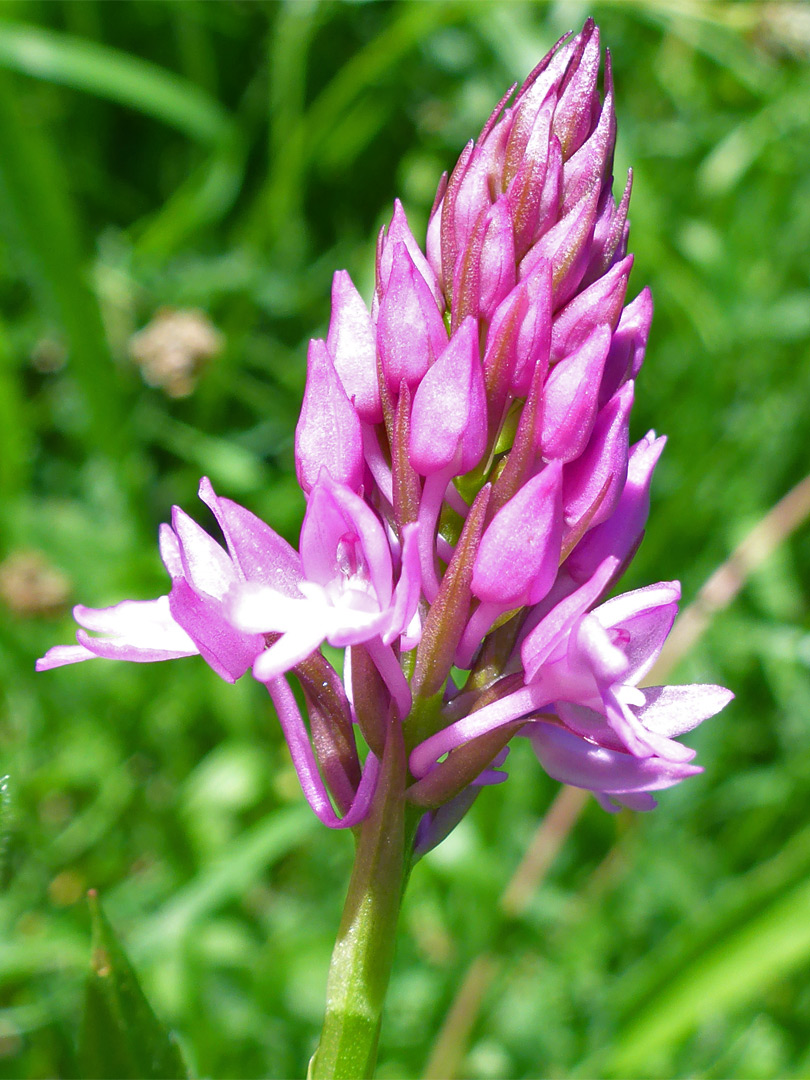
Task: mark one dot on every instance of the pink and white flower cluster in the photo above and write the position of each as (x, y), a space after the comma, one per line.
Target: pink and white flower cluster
(472, 497)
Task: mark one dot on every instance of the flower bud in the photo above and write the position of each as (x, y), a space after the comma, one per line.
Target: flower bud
(519, 553)
(593, 483)
(448, 421)
(621, 533)
(627, 348)
(579, 100)
(399, 232)
(600, 303)
(497, 262)
(570, 398)
(410, 328)
(352, 346)
(328, 433)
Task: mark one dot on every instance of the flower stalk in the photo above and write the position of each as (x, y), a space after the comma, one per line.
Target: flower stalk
(364, 950)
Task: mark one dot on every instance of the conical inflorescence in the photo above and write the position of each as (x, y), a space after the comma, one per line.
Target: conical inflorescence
(472, 497)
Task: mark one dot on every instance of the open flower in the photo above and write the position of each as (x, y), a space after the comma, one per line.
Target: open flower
(580, 673)
(192, 619)
(346, 594)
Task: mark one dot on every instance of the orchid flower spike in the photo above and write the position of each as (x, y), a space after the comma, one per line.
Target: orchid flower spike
(472, 497)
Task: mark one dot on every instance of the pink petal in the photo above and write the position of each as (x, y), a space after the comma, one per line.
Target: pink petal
(60, 655)
(572, 760)
(339, 527)
(169, 547)
(290, 649)
(256, 549)
(553, 629)
(672, 710)
(206, 567)
(646, 615)
(227, 650)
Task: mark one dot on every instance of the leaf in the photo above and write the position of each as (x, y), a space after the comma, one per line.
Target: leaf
(120, 1035)
(5, 828)
(43, 229)
(228, 877)
(112, 74)
(730, 975)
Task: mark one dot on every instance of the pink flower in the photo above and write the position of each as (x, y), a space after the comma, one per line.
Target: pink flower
(192, 619)
(345, 594)
(195, 617)
(580, 669)
(472, 496)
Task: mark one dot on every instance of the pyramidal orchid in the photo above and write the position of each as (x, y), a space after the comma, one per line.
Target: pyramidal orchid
(472, 498)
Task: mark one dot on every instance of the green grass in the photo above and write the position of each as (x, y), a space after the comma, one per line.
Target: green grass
(230, 156)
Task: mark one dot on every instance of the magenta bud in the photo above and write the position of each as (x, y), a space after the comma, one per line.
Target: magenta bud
(353, 350)
(593, 483)
(598, 304)
(448, 421)
(621, 533)
(497, 262)
(629, 342)
(525, 192)
(433, 239)
(541, 86)
(519, 553)
(567, 247)
(500, 356)
(579, 99)
(610, 233)
(594, 160)
(399, 232)
(551, 195)
(466, 197)
(570, 398)
(518, 341)
(447, 228)
(470, 193)
(534, 335)
(328, 434)
(410, 328)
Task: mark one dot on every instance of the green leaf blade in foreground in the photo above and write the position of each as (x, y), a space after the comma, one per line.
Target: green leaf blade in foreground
(120, 1035)
(732, 973)
(42, 225)
(5, 828)
(115, 75)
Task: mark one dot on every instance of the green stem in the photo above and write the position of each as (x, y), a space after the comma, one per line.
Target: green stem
(364, 950)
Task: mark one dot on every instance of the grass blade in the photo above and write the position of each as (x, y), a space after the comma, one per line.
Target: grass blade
(121, 1036)
(730, 974)
(42, 222)
(117, 76)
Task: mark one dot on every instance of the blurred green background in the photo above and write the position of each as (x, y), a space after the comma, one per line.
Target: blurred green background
(222, 158)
